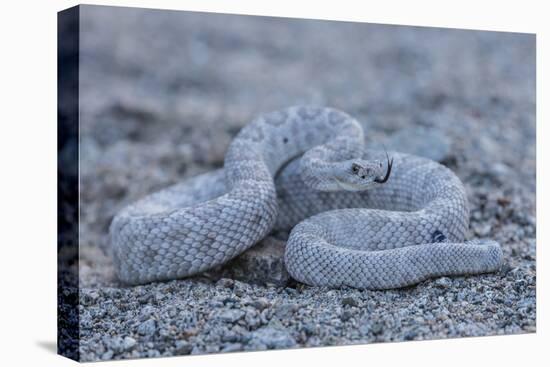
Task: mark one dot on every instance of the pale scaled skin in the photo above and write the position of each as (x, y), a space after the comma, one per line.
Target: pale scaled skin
(348, 228)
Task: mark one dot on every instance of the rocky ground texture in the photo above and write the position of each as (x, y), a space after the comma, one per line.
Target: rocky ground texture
(162, 94)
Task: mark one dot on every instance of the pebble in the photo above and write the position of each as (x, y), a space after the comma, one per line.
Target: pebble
(350, 301)
(147, 327)
(230, 316)
(272, 338)
(410, 335)
(377, 328)
(183, 347)
(346, 315)
(443, 282)
(107, 355)
(285, 310)
(226, 283)
(260, 303)
(364, 329)
(129, 343)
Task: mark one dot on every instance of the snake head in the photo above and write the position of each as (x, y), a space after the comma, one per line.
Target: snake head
(360, 174)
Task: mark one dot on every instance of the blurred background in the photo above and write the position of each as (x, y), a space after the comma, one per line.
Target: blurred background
(163, 92)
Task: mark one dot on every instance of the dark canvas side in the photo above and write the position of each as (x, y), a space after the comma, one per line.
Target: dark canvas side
(67, 185)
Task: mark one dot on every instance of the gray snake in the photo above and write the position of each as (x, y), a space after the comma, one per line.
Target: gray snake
(306, 169)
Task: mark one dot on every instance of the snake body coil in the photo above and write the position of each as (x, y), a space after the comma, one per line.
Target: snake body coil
(405, 230)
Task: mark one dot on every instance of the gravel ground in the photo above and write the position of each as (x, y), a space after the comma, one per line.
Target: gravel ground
(163, 93)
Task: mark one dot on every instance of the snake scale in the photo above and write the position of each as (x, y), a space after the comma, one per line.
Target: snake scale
(306, 168)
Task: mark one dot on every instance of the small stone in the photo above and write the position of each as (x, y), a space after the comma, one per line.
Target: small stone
(410, 335)
(89, 298)
(260, 303)
(108, 355)
(291, 291)
(153, 353)
(128, 343)
(483, 230)
(230, 300)
(285, 310)
(261, 264)
(443, 282)
(252, 318)
(272, 338)
(147, 327)
(183, 347)
(377, 328)
(309, 329)
(230, 316)
(350, 301)
(226, 282)
(231, 336)
(346, 315)
(364, 329)
(505, 269)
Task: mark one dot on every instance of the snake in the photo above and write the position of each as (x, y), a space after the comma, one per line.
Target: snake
(356, 217)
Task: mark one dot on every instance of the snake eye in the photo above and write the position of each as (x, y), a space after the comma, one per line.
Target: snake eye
(355, 168)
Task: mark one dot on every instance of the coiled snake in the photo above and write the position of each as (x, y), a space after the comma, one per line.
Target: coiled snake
(357, 220)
